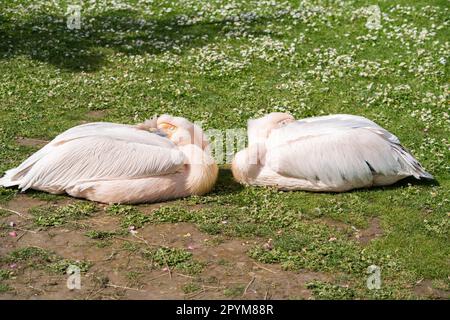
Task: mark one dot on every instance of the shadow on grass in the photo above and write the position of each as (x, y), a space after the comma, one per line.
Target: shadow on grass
(399, 184)
(236, 187)
(226, 183)
(413, 181)
(46, 38)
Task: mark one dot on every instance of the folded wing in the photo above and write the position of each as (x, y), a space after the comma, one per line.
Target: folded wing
(338, 150)
(96, 151)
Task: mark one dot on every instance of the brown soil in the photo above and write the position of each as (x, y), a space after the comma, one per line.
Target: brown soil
(363, 236)
(372, 232)
(227, 264)
(30, 142)
(425, 289)
(96, 114)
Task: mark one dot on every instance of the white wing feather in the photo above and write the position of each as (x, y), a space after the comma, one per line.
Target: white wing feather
(338, 150)
(96, 151)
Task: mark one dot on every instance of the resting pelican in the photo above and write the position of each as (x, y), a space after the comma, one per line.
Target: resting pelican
(332, 153)
(160, 159)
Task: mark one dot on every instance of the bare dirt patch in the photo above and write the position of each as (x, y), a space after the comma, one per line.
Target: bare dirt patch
(363, 236)
(22, 203)
(97, 114)
(374, 231)
(425, 289)
(117, 273)
(31, 142)
(339, 225)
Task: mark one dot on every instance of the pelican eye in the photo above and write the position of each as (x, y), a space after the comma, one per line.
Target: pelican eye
(167, 126)
(284, 122)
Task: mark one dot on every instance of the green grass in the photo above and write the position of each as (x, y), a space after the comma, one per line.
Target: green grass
(327, 291)
(309, 59)
(7, 194)
(175, 258)
(190, 287)
(4, 287)
(56, 216)
(235, 291)
(133, 276)
(130, 216)
(43, 196)
(4, 213)
(5, 274)
(104, 235)
(27, 254)
(38, 258)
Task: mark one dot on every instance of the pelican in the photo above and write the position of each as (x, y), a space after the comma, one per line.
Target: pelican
(163, 158)
(333, 153)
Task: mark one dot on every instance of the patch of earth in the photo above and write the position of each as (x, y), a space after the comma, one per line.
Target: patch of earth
(425, 289)
(227, 267)
(31, 142)
(339, 225)
(95, 115)
(22, 203)
(363, 236)
(374, 231)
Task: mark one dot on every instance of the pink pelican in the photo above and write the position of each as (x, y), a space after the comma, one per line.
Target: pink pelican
(332, 153)
(160, 159)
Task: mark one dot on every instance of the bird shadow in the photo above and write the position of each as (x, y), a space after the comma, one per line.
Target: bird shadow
(412, 181)
(46, 38)
(226, 184)
(408, 181)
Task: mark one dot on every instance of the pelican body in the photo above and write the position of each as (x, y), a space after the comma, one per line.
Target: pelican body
(157, 160)
(333, 153)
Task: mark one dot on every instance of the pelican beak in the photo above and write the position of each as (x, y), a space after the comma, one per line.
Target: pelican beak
(167, 128)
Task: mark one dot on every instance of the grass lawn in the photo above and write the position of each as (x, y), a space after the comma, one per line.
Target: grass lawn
(221, 63)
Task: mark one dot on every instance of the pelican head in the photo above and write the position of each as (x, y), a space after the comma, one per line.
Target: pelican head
(202, 169)
(259, 129)
(181, 131)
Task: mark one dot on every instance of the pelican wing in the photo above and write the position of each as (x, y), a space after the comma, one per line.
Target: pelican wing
(338, 149)
(113, 130)
(333, 123)
(96, 151)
